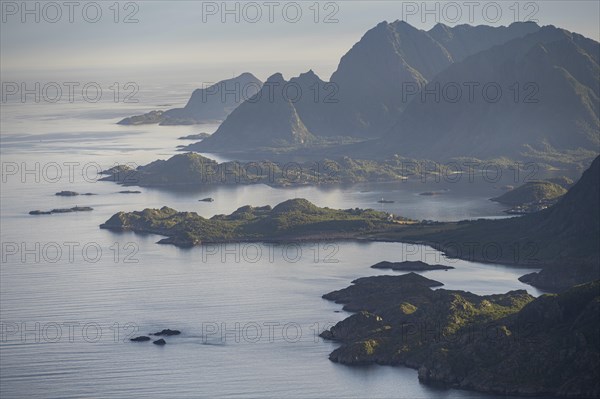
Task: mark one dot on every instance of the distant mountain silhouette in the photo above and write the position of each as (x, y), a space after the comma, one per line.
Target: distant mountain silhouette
(210, 104)
(364, 97)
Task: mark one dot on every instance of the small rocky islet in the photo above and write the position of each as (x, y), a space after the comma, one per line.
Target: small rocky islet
(198, 136)
(71, 193)
(161, 341)
(141, 338)
(62, 210)
(433, 193)
(167, 333)
(407, 266)
(129, 192)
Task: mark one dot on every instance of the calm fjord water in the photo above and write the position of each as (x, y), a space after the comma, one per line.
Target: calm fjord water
(249, 315)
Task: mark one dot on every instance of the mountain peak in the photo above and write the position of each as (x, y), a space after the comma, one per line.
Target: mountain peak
(276, 77)
(246, 75)
(403, 26)
(308, 77)
(440, 26)
(441, 30)
(553, 30)
(524, 23)
(381, 25)
(296, 205)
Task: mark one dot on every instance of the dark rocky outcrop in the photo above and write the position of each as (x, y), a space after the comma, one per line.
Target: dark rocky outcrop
(62, 210)
(167, 332)
(371, 293)
(410, 266)
(71, 193)
(142, 338)
(159, 342)
(510, 344)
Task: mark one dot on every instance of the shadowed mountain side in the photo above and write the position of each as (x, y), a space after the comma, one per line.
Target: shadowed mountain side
(373, 75)
(542, 96)
(268, 119)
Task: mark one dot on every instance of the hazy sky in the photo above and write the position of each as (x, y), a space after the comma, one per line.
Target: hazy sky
(201, 39)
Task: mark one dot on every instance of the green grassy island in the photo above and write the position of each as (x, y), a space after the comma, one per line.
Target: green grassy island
(292, 220)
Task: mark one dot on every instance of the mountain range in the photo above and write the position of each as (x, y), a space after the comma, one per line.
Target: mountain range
(550, 86)
(392, 57)
(466, 91)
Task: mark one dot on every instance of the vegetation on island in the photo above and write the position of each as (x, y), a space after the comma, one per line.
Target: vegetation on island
(537, 191)
(194, 170)
(562, 239)
(197, 136)
(62, 210)
(292, 220)
(510, 344)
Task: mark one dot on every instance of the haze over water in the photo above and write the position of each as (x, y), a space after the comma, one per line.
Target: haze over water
(124, 284)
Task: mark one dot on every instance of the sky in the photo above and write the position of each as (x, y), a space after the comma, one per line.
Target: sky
(209, 41)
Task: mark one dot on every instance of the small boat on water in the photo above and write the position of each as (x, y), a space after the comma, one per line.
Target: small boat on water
(384, 201)
(208, 199)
